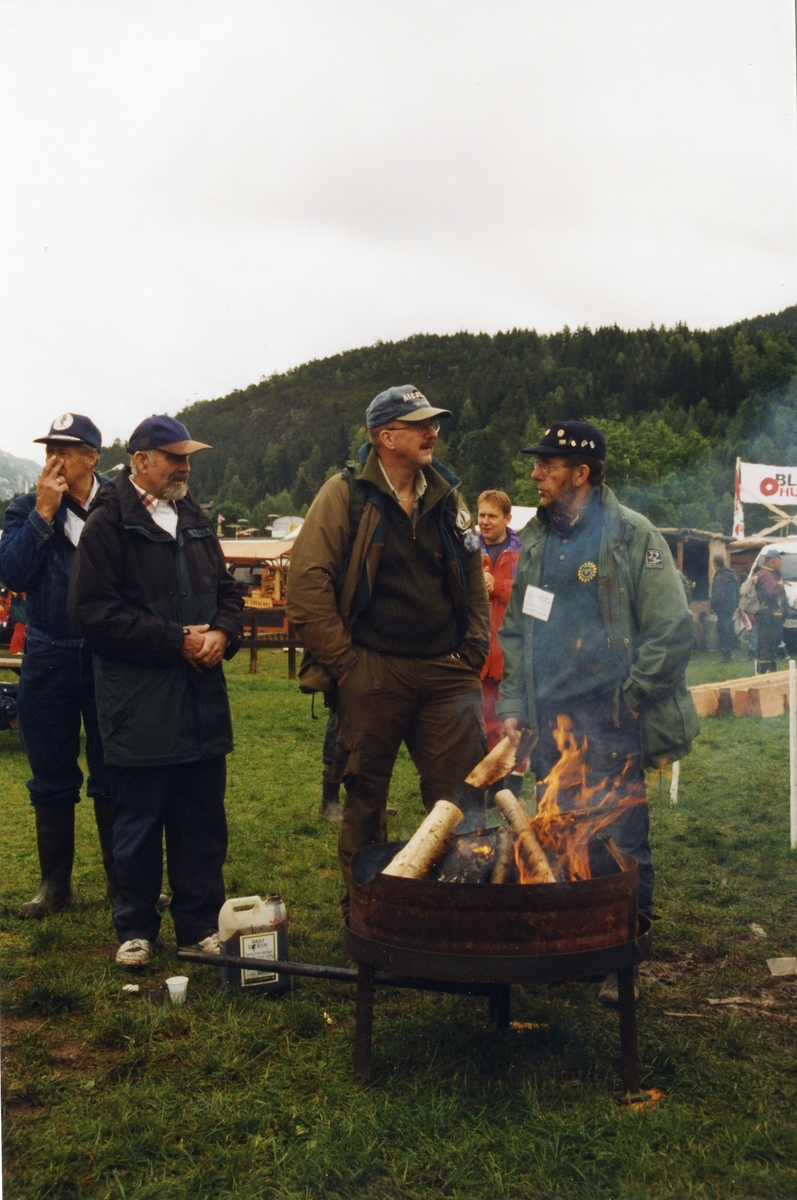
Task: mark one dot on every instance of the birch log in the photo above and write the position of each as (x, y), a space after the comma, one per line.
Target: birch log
(427, 843)
(513, 810)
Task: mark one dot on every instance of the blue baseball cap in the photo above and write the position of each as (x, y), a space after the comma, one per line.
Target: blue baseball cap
(404, 403)
(72, 427)
(772, 552)
(163, 433)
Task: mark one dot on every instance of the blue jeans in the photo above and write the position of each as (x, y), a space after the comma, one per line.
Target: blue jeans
(612, 736)
(186, 802)
(56, 691)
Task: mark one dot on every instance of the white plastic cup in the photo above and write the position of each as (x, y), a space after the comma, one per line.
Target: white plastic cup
(177, 985)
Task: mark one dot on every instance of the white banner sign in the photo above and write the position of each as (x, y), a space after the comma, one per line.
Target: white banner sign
(767, 485)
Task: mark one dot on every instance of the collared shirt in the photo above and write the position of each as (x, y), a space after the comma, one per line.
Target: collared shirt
(163, 512)
(73, 525)
(420, 487)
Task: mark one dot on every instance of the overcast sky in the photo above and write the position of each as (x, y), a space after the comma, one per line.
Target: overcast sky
(198, 193)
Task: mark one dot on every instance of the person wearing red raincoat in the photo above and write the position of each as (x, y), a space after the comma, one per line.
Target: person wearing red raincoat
(501, 547)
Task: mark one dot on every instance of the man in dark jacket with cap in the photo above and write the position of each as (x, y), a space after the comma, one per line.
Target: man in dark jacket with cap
(724, 602)
(386, 592)
(56, 689)
(152, 596)
(596, 640)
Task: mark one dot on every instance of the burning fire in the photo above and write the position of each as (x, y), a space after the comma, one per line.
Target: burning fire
(556, 846)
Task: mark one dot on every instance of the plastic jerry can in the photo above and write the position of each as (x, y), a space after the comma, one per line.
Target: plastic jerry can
(255, 928)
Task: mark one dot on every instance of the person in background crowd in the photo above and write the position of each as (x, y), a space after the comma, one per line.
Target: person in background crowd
(19, 617)
(596, 640)
(152, 596)
(56, 687)
(724, 602)
(386, 593)
(771, 596)
(501, 547)
(6, 625)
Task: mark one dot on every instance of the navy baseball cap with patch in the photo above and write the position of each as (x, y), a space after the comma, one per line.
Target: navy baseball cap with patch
(571, 437)
(72, 427)
(403, 403)
(163, 433)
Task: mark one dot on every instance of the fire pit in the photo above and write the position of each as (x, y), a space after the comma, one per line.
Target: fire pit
(494, 936)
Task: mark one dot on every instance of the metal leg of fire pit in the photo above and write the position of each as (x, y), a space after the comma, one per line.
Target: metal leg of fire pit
(500, 1005)
(628, 1035)
(364, 1022)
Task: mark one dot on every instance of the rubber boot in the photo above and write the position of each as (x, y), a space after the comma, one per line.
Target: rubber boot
(330, 808)
(55, 837)
(103, 817)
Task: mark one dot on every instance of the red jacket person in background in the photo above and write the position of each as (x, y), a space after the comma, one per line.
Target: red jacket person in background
(501, 547)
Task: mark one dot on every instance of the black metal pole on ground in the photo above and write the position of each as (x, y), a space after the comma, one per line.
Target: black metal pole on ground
(336, 974)
(628, 1033)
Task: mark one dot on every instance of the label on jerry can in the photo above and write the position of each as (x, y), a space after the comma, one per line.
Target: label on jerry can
(258, 945)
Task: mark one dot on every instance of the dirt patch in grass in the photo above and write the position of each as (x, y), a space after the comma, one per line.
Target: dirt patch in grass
(14, 1028)
(672, 972)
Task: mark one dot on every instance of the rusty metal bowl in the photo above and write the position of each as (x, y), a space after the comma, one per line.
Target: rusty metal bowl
(490, 920)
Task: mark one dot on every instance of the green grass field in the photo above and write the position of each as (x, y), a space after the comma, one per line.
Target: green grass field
(234, 1095)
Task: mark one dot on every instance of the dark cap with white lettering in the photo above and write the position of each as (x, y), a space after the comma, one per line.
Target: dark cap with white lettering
(72, 427)
(571, 437)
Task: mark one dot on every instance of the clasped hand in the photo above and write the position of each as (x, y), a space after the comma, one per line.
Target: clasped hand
(203, 647)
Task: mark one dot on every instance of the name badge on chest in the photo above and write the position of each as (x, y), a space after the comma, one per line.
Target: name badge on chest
(537, 603)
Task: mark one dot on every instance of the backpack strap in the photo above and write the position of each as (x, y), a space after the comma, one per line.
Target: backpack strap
(358, 494)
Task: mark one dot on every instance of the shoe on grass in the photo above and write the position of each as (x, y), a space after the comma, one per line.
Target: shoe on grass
(134, 953)
(609, 994)
(208, 945)
(163, 902)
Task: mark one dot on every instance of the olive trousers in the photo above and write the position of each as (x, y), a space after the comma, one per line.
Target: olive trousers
(434, 706)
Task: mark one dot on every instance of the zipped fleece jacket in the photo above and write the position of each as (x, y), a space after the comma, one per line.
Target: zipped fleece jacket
(133, 587)
(36, 558)
(503, 573)
(330, 579)
(646, 620)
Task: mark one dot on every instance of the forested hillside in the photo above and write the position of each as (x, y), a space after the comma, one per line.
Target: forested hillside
(677, 406)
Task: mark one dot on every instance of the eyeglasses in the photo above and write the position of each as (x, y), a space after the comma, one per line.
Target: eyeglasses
(545, 467)
(423, 426)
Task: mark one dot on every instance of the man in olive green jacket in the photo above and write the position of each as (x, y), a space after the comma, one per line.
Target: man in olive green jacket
(386, 592)
(597, 632)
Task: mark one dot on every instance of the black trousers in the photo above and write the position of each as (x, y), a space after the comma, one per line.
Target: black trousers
(726, 634)
(56, 690)
(768, 637)
(187, 803)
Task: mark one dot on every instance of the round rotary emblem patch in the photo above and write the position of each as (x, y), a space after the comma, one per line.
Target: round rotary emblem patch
(587, 572)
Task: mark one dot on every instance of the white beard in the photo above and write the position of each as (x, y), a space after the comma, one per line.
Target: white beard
(176, 491)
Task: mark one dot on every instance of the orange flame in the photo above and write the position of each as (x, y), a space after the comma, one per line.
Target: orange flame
(563, 834)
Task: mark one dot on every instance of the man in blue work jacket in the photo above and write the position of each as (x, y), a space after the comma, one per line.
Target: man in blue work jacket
(56, 687)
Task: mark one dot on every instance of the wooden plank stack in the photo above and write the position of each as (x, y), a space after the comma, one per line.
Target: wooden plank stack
(753, 696)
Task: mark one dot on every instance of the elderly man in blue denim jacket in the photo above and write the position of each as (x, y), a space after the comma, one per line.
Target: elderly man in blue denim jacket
(56, 687)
